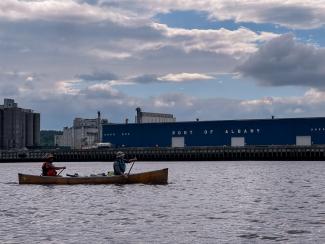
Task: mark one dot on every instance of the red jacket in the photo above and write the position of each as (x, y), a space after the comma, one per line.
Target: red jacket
(48, 169)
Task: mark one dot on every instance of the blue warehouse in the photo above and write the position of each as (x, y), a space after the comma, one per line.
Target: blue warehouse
(253, 132)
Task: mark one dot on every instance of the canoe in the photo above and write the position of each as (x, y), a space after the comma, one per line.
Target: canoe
(158, 177)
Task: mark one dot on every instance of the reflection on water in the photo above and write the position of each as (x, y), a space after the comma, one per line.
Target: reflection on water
(205, 202)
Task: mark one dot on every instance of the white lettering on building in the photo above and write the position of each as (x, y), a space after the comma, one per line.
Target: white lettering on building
(243, 131)
(182, 132)
(317, 129)
(226, 131)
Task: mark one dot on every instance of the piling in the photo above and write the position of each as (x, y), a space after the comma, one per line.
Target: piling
(252, 153)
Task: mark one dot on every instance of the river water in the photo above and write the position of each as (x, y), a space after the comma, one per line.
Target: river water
(204, 202)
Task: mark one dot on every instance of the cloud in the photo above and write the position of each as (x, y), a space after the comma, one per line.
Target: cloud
(74, 45)
(30, 78)
(185, 77)
(170, 78)
(59, 109)
(188, 108)
(294, 14)
(106, 54)
(170, 102)
(104, 90)
(310, 104)
(284, 61)
(98, 76)
(76, 48)
(95, 85)
(145, 79)
(62, 10)
(15, 83)
(236, 42)
(57, 56)
(67, 87)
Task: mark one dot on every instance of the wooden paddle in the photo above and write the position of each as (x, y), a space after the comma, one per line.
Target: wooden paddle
(61, 171)
(135, 159)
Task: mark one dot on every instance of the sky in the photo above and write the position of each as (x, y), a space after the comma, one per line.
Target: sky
(207, 59)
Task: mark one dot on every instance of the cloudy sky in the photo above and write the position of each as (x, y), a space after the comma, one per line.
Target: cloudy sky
(208, 59)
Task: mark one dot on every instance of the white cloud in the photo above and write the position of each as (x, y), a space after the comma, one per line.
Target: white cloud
(30, 78)
(235, 43)
(258, 102)
(172, 101)
(240, 41)
(62, 10)
(184, 77)
(106, 87)
(310, 104)
(298, 14)
(125, 82)
(107, 54)
(290, 13)
(67, 87)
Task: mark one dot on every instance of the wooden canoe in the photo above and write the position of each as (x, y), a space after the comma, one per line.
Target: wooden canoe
(158, 177)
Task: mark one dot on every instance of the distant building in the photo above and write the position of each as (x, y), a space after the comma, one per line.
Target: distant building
(219, 133)
(19, 128)
(84, 133)
(66, 139)
(146, 117)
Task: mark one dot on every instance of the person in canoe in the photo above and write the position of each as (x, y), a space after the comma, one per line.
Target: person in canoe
(120, 163)
(48, 169)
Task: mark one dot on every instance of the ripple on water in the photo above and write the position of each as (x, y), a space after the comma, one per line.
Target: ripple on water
(9, 183)
(256, 221)
(274, 238)
(249, 236)
(295, 232)
(321, 222)
(267, 203)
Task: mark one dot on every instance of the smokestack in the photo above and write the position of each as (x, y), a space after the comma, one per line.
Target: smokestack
(138, 117)
(99, 127)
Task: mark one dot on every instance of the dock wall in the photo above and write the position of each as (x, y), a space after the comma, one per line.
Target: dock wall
(274, 153)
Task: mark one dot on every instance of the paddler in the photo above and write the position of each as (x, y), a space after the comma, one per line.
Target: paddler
(120, 163)
(48, 169)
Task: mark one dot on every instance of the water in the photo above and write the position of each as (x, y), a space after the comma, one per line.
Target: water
(205, 202)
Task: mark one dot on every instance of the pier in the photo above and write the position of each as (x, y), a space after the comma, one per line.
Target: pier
(249, 153)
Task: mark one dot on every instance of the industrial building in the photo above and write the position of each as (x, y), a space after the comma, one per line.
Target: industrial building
(19, 128)
(237, 133)
(84, 133)
(147, 117)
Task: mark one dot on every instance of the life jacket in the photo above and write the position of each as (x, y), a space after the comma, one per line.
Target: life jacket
(119, 166)
(48, 171)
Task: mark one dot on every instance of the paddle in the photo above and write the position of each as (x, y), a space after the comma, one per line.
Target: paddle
(61, 171)
(132, 165)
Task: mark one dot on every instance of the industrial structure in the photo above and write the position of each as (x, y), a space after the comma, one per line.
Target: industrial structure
(147, 117)
(255, 139)
(19, 128)
(235, 133)
(85, 133)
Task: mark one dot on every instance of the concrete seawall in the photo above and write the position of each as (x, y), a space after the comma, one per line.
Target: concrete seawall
(251, 153)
